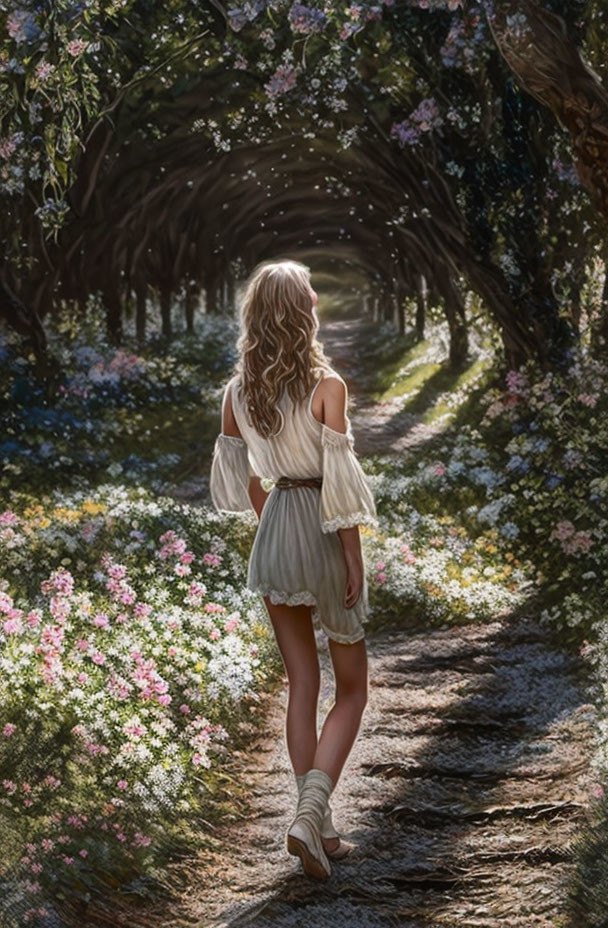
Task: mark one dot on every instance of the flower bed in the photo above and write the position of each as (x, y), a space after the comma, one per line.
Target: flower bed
(131, 659)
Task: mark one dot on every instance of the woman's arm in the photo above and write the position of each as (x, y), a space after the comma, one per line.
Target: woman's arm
(257, 494)
(334, 402)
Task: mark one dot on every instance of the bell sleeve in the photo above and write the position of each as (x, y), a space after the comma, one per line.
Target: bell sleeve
(346, 498)
(230, 472)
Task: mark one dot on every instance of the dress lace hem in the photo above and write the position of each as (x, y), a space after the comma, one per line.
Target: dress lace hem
(305, 597)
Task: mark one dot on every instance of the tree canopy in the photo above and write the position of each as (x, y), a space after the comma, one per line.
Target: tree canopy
(426, 144)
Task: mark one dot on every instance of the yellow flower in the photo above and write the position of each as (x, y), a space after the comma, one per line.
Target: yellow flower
(32, 511)
(92, 508)
(66, 515)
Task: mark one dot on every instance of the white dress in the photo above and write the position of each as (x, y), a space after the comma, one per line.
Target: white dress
(297, 554)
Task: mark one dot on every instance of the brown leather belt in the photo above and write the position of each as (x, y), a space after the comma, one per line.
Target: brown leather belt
(285, 483)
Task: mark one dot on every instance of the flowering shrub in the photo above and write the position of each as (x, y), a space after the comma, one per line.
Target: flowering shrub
(549, 437)
(112, 408)
(527, 485)
(432, 565)
(130, 655)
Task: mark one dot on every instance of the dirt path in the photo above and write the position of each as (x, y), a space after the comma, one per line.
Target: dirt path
(464, 790)
(378, 427)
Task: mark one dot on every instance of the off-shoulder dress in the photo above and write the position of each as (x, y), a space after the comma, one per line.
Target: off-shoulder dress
(297, 555)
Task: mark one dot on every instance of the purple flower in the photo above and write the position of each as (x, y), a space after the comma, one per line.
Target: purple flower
(305, 19)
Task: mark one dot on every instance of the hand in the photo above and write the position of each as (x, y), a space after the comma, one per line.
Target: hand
(354, 579)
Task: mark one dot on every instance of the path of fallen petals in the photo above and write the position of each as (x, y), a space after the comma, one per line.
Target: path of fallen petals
(468, 782)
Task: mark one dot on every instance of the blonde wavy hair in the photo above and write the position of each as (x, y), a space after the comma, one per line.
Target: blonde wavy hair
(278, 347)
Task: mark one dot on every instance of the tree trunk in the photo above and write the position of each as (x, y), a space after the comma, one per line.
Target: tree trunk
(211, 297)
(399, 312)
(25, 320)
(140, 313)
(230, 291)
(421, 298)
(113, 306)
(190, 306)
(455, 314)
(536, 46)
(165, 311)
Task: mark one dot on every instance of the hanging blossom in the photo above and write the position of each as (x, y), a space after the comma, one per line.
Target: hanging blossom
(22, 27)
(305, 19)
(242, 13)
(283, 79)
(463, 44)
(424, 118)
(566, 172)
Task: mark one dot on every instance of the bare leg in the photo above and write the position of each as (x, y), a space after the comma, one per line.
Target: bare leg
(296, 641)
(343, 719)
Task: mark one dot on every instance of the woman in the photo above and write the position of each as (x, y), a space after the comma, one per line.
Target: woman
(284, 417)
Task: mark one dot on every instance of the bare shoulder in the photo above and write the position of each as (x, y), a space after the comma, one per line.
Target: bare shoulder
(333, 395)
(229, 423)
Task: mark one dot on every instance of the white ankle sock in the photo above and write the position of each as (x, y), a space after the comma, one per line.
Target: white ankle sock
(327, 826)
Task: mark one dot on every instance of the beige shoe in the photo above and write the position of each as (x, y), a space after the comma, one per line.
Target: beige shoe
(327, 829)
(304, 834)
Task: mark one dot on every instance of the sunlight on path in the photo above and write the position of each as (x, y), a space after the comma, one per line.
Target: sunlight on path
(378, 427)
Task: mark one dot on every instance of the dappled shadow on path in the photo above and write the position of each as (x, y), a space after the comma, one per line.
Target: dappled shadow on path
(463, 792)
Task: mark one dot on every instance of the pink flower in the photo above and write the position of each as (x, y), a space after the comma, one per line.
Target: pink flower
(281, 81)
(516, 382)
(141, 610)
(117, 571)
(9, 729)
(12, 626)
(76, 47)
(61, 582)
(200, 759)
(440, 469)
(562, 530)
(122, 784)
(197, 589)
